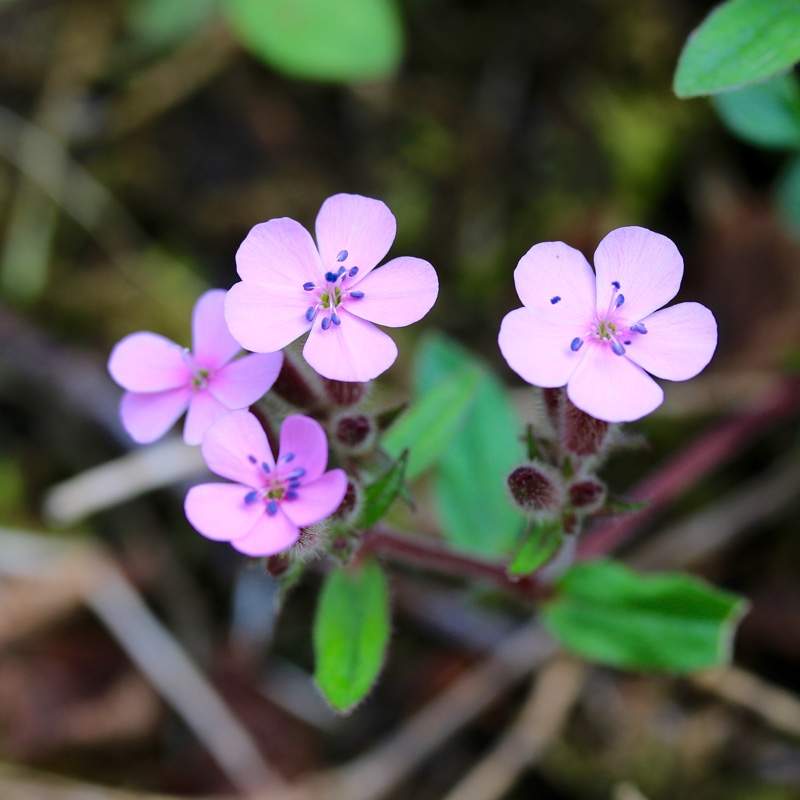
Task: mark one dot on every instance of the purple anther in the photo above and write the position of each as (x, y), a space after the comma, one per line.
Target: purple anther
(266, 467)
(637, 327)
(287, 458)
(356, 294)
(311, 313)
(272, 508)
(620, 300)
(555, 299)
(326, 323)
(331, 277)
(615, 284)
(294, 484)
(309, 285)
(576, 344)
(290, 495)
(627, 341)
(617, 348)
(341, 272)
(251, 497)
(353, 272)
(335, 319)
(342, 255)
(252, 459)
(296, 473)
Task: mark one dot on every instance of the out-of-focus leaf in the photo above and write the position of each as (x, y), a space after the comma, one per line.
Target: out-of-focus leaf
(788, 194)
(767, 114)
(160, 24)
(739, 42)
(673, 622)
(541, 544)
(380, 494)
(470, 484)
(351, 630)
(346, 40)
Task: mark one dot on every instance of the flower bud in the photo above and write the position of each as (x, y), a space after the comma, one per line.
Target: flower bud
(582, 435)
(296, 386)
(354, 432)
(535, 488)
(553, 403)
(344, 393)
(586, 495)
(351, 504)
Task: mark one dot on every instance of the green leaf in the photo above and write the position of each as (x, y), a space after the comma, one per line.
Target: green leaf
(767, 114)
(673, 622)
(428, 428)
(160, 24)
(346, 40)
(543, 542)
(380, 494)
(739, 42)
(351, 630)
(470, 485)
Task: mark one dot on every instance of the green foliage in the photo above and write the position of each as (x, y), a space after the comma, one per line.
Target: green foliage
(672, 622)
(740, 42)
(380, 494)
(766, 115)
(160, 24)
(351, 630)
(788, 194)
(348, 40)
(469, 485)
(542, 543)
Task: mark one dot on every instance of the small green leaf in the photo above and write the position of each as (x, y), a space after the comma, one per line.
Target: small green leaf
(669, 621)
(542, 543)
(347, 40)
(161, 24)
(380, 494)
(767, 114)
(351, 630)
(428, 428)
(739, 42)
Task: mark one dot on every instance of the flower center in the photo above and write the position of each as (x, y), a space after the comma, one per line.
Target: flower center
(333, 292)
(278, 484)
(200, 375)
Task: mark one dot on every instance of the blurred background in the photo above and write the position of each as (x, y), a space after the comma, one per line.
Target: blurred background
(139, 142)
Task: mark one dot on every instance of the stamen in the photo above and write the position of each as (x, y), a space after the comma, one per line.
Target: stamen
(309, 285)
(555, 299)
(627, 341)
(294, 484)
(326, 323)
(290, 495)
(296, 473)
(266, 467)
(287, 458)
(356, 295)
(341, 272)
(615, 284)
(638, 327)
(251, 497)
(353, 272)
(335, 319)
(272, 508)
(617, 348)
(311, 312)
(620, 300)
(252, 459)
(342, 256)
(331, 277)
(576, 343)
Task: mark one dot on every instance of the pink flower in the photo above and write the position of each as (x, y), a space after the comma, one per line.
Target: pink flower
(289, 287)
(163, 379)
(262, 512)
(599, 334)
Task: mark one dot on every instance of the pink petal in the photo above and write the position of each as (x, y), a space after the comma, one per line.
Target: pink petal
(204, 411)
(612, 387)
(265, 319)
(218, 510)
(536, 344)
(318, 499)
(270, 535)
(279, 252)
(679, 342)
(240, 383)
(364, 227)
(147, 416)
(399, 293)
(647, 266)
(551, 270)
(213, 344)
(306, 440)
(354, 351)
(147, 362)
(229, 442)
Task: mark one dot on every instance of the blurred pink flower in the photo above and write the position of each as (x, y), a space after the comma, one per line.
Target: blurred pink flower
(598, 334)
(262, 512)
(163, 379)
(289, 287)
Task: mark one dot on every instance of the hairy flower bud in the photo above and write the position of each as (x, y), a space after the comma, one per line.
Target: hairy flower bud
(553, 403)
(353, 432)
(535, 488)
(583, 435)
(351, 504)
(297, 386)
(586, 495)
(344, 393)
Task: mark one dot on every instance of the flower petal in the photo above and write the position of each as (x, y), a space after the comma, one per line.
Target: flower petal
(265, 319)
(219, 512)
(354, 351)
(204, 411)
(229, 443)
(212, 342)
(305, 439)
(536, 344)
(279, 252)
(240, 383)
(612, 387)
(551, 270)
(147, 362)
(399, 293)
(147, 416)
(318, 499)
(364, 227)
(270, 535)
(679, 342)
(647, 266)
